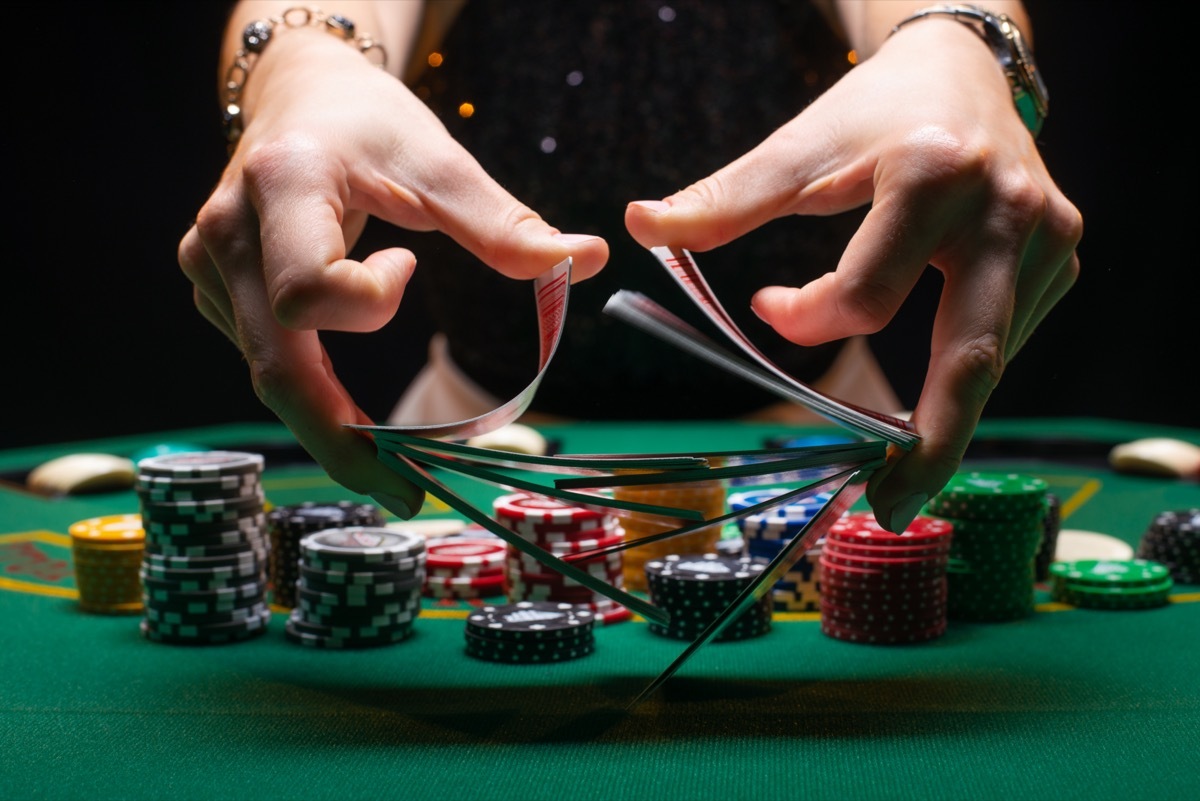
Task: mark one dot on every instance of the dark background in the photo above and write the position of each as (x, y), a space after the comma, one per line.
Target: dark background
(114, 143)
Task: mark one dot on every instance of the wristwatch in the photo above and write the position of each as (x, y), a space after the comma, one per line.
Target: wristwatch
(1008, 45)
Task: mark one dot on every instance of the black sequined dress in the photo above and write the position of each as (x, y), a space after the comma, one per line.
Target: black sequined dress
(581, 106)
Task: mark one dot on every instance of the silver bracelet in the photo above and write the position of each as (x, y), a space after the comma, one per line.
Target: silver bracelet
(258, 34)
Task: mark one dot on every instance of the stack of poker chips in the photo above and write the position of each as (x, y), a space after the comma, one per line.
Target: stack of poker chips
(563, 530)
(765, 534)
(530, 631)
(204, 569)
(107, 553)
(706, 497)
(999, 522)
(696, 588)
(1111, 583)
(879, 587)
(464, 568)
(1050, 528)
(359, 587)
(1173, 538)
(287, 525)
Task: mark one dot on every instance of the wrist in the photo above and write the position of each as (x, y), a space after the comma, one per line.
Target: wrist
(1003, 37)
(276, 40)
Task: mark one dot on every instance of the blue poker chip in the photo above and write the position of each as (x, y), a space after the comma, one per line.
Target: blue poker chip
(804, 506)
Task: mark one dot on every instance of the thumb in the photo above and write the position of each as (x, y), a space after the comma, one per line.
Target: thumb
(786, 174)
(468, 205)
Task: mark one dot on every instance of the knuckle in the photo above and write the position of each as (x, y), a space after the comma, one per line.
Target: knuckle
(940, 158)
(505, 249)
(294, 295)
(219, 219)
(981, 364)
(708, 194)
(868, 304)
(268, 162)
(1066, 224)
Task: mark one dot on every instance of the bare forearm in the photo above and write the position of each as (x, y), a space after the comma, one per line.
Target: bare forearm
(867, 23)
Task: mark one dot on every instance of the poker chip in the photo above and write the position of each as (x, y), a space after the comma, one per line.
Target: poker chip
(765, 534)
(706, 497)
(530, 631)
(1173, 539)
(1051, 526)
(992, 496)
(880, 587)
(200, 464)
(288, 525)
(106, 555)
(695, 589)
(1112, 583)
(357, 586)
(465, 568)
(361, 547)
(561, 530)
(1000, 526)
(203, 570)
(531, 508)
(205, 633)
(324, 638)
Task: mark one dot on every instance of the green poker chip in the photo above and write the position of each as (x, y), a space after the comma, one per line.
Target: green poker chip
(1123, 573)
(990, 496)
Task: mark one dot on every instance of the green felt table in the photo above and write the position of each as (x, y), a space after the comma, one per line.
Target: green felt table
(1068, 703)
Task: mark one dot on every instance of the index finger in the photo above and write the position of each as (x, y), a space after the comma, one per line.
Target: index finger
(290, 370)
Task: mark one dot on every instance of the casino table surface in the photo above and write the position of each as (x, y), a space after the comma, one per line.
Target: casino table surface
(1068, 703)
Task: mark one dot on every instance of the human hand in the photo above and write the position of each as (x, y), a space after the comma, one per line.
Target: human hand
(330, 141)
(926, 133)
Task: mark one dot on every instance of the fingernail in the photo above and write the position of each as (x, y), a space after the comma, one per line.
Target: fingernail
(656, 206)
(906, 511)
(754, 308)
(574, 239)
(397, 506)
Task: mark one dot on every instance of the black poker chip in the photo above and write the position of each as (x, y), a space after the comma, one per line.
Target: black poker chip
(1173, 539)
(695, 589)
(529, 651)
(203, 571)
(206, 633)
(336, 580)
(288, 525)
(325, 614)
(532, 620)
(303, 635)
(232, 615)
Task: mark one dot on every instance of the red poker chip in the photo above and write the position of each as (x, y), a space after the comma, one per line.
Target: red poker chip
(904, 597)
(887, 563)
(464, 581)
(902, 550)
(873, 619)
(884, 569)
(523, 561)
(524, 506)
(578, 549)
(834, 583)
(862, 525)
(452, 572)
(833, 629)
(463, 552)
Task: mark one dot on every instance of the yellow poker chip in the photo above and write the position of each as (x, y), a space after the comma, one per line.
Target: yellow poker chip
(109, 530)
